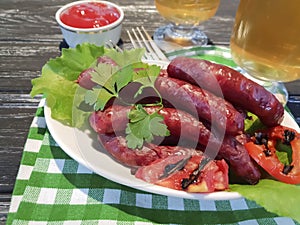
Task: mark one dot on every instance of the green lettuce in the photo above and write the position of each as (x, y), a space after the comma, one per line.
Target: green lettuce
(58, 85)
(252, 123)
(57, 82)
(276, 197)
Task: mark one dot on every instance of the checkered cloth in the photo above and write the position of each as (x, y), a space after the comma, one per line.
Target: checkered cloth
(52, 188)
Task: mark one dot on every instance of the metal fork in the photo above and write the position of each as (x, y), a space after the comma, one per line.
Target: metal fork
(141, 39)
(111, 45)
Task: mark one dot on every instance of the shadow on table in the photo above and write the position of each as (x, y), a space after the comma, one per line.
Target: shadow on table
(63, 44)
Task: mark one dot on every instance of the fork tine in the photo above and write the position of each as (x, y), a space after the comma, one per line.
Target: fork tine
(138, 44)
(110, 44)
(152, 53)
(156, 49)
(138, 40)
(132, 40)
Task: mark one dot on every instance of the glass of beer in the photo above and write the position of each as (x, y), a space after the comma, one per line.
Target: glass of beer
(185, 17)
(265, 42)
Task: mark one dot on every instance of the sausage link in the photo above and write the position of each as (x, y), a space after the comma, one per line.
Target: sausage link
(185, 126)
(195, 100)
(236, 88)
(117, 148)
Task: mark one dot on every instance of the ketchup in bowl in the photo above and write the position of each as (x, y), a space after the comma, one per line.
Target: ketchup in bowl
(90, 15)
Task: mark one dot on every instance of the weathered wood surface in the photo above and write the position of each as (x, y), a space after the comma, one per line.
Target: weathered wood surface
(30, 37)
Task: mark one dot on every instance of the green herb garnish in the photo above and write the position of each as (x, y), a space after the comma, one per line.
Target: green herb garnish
(58, 83)
(142, 126)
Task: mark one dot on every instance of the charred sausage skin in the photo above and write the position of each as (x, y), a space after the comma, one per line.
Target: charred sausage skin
(183, 125)
(215, 110)
(117, 147)
(236, 88)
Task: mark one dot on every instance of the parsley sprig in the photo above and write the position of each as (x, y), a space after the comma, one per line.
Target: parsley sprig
(111, 80)
(144, 126)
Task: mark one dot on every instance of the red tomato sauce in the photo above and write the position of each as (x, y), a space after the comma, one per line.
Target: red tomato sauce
(89, 15)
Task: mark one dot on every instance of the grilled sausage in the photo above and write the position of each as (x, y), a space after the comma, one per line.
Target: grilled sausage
(185, 126)
(117, 147)
(199, 102)
(236, 88)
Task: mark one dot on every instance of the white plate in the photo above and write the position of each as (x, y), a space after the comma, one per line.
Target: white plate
(84, 147)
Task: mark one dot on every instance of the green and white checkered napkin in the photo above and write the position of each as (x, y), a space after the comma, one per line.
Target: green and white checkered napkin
(52, 188)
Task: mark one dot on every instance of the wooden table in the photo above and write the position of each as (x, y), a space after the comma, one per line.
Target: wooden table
(30, 37)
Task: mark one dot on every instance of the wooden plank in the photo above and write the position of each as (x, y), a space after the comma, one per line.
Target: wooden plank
(22, 61)
(16, 114)
(34, 20)
(4, 207)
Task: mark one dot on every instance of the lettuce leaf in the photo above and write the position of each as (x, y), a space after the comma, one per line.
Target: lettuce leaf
(58, 80)
(126, 57)
(252, 123)
(276, 197)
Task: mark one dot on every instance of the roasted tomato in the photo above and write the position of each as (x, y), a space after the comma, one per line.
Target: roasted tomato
(263, 150)
(186, 173)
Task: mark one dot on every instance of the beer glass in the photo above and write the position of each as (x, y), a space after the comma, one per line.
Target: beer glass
(184, 17)
(265, 42)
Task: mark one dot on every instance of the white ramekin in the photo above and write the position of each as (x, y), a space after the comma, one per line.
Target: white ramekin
(98, 36)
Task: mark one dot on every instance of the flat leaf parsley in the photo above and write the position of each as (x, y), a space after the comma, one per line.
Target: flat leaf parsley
(111, 80)
(144, 126)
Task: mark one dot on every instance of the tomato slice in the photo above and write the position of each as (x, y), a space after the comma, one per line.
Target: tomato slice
(264, 153)
(213, 177)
